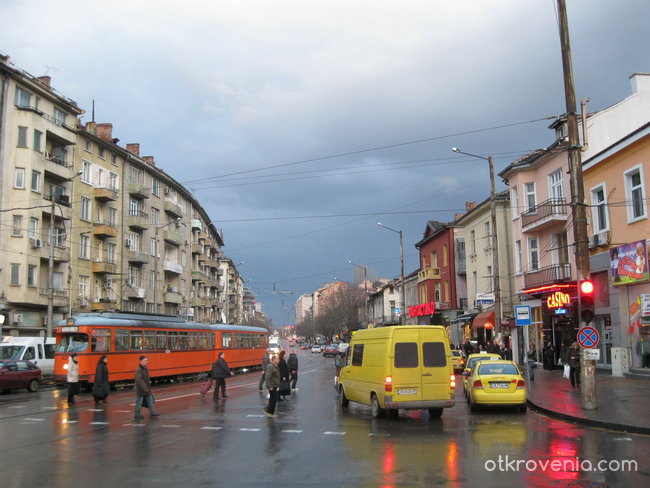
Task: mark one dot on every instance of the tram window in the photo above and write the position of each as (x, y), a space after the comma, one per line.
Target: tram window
(73, 343)
(101, 340)
(121, 340)
(211, 341)
(182, 340)
(136, 340)
(202, 340)
(193, 340)
(161, 340)
(148, 340)
(226, 340)
(173, 340)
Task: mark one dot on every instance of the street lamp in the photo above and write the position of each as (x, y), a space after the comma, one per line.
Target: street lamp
(401, 258)
(50, 263)
(365, 286)
(495, 242)
(157, 262)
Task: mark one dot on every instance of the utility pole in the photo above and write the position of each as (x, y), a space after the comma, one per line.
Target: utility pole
(578, 210)
(50, 270)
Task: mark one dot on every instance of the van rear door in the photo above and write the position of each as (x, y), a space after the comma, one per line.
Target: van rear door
(406, 374)
(436, 368)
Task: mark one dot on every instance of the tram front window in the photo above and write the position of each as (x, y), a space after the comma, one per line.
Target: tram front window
(72, 343)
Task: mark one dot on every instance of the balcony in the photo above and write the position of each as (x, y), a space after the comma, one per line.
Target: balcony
(133, 293)
(173, 297)
(60, 296)
(173, 237)
(104, 267)
(57, 167)
(198, 276)
(104, 230)
(139, 190)
(137, 257)
(62, 209)
(172, 267)
(461, 268)
(173, 209)
(105, 194)
(547, 214)
(197, 249)
(429, 274)
(202, 236)
(102, 305)
(139, 220)
(549, 275)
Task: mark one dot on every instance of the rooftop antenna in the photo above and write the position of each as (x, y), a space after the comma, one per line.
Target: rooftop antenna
(93, 118)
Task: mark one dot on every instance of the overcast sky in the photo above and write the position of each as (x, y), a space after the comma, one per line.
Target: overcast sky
(301, 124)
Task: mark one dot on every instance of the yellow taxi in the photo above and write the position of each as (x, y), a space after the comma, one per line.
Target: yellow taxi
(458, 360)
(471, 360)
(496, 383)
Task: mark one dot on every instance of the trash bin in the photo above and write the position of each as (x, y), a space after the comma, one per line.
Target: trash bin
(620, 361)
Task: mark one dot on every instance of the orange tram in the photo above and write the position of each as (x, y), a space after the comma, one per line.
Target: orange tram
(174, 347)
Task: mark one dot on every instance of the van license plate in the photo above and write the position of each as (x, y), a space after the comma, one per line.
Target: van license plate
(499, 385)
(407, 391)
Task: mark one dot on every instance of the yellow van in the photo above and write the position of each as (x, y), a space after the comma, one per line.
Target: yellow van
(404, 366)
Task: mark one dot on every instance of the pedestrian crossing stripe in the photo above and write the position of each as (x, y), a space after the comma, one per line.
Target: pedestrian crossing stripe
(170, 426)
(292, 431)
(333, 433)
(98, 423)
(244, 429)
(207, 427)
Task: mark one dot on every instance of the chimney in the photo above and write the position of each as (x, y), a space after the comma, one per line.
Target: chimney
(457, 216)
(149, 160)
(105, 132)
(91, 127)
(470, 206)
(46, 80)
(4, 59)
(133, 148)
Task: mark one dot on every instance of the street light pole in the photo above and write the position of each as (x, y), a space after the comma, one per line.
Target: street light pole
(401, 258)
(495, 241)
(157, 261)
(365, 286)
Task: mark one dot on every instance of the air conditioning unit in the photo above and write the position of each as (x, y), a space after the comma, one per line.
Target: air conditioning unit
(36, 242)
(140, 292)
(166, 191)
(592, 241)
(18, 318)
(129, 243)
(602, 239)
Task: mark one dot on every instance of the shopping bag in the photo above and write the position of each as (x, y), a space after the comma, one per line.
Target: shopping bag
(205, 387)
(566, 371)
(145, 401)
(285, 388)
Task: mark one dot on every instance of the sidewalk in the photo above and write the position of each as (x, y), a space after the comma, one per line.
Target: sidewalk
(622, 402)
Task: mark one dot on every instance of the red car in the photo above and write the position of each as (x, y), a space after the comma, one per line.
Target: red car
(16, 373)
(331, 350)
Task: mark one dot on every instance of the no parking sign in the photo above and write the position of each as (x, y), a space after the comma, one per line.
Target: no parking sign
(588, 337)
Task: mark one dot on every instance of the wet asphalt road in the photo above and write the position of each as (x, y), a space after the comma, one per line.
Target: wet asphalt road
(313, 442)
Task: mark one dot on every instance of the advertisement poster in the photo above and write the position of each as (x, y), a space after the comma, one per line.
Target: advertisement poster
(629, 263)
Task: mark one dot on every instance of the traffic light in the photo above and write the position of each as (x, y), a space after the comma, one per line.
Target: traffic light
(587, 305)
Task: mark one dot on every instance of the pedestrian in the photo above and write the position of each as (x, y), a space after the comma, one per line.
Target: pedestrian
(285, 375)
(292, 364)
(73, 377)
(143, 388)
(531, 357)
(101, 386)
(574, 365)
(273, 385)
(220, 371)
(265, 362)
(564, 352)
(548, 355)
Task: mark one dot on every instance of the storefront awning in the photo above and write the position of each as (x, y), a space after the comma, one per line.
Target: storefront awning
(483, 318)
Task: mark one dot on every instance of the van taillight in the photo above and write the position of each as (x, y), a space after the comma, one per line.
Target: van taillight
(521, 384)
(388, 383)
(477, 384)
(452, 381)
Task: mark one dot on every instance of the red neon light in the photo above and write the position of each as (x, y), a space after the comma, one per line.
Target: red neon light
(558, 299)
(423, 309)
(549, 288)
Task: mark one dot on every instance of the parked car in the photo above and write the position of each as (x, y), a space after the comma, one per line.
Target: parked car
(19, 374)
(315, 348)
(496, 383)
(331, 350)
(458, 360)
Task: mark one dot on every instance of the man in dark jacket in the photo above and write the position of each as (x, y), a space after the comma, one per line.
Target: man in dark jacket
(273, 384)
(265, 362)
(220, 371)
(292, 362)
(143, 388)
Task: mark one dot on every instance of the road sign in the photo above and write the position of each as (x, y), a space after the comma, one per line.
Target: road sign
(522, 315)
(588, 337)
(485, 298)
(591, 354)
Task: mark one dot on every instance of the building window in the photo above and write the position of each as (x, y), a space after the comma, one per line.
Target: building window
(599, 209)
(436, 292)
(473, 241)
(134, 207)
(31, 274)
(36, 181)
(445, 255)
(154, 247)
(59, 116)
(85, 209)
(86, 171)
(22, 136)
(101, 152)
(84, 246)
(556, 190)
(15, 274)
(152, 280)
(155, 216)
(183, 258)
(17, 227)
(517, 257)
(634, 194)
(514, 202)
(112, 217)
(112, 181)
(32, 233)
(136, 240)
(135, 175)
(133, 276)
(114, 159)
(533, 254)
(531, 200)
(111, 252)
(19, 180)
(155, 186)
(83, 286)
(23, 98)
(38, 140)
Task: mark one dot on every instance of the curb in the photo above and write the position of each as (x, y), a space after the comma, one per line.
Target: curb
(628, 429)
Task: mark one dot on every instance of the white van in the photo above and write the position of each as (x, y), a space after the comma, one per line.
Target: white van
(39, 350)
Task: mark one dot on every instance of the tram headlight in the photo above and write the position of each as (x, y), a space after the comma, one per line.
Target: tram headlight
(65, 366)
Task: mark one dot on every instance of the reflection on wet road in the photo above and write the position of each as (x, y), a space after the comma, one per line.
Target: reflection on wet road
(313, 442)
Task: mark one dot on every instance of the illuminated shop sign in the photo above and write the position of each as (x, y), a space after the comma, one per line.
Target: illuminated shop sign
(423, 309)
(558, 299)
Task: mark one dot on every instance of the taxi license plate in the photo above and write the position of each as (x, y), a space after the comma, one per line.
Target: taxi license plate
(407, 391)
(499, 385)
